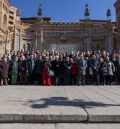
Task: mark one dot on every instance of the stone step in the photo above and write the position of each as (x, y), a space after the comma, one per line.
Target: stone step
(22, 118)
(59, 126)
(17, 118)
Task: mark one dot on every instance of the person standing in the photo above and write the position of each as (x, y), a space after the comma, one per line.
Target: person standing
(56, 69)
(95, 64)
(89, 71)
(82, 65)
(61, 62)
(22, 66)
(74, 71)
(117, 65)
(103, 71)
(38, 70)
(67, 71)
(46, 70)
(14, 70)
(4, 70)
(0, 64)
(30, 69)
(110, 71)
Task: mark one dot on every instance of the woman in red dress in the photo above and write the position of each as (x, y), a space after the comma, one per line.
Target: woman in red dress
(46, 70)
(74, 71)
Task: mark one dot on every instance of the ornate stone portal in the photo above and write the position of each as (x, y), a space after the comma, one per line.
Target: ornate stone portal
(83, 35)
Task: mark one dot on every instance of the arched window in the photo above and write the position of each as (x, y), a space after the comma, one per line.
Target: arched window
(5, 20)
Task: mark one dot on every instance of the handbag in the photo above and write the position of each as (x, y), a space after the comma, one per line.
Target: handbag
(51, 73)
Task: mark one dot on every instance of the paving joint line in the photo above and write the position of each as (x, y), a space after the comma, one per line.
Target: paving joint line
(104, 96)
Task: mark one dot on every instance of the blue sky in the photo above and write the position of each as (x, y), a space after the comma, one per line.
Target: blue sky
(66, 10)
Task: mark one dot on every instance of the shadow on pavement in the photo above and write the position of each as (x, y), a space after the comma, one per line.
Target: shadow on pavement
(63, 101)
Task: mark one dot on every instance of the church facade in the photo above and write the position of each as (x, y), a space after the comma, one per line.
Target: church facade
(84, 35)
(43, 33)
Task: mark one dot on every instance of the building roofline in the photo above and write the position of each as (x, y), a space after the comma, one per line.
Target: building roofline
(95, 20)
(49, 19)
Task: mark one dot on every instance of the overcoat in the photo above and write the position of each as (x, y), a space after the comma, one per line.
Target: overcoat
(82, 65)
(4, 70)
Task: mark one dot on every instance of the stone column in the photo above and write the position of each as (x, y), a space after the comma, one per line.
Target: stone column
(110, 43)
(87, 42)
(15, 40)
(20, 41)
(36, 40)
(41, 39)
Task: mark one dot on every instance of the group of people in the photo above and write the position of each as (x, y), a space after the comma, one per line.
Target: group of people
(48, 68)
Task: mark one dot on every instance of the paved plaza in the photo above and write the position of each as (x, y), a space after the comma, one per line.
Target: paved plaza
(68, 104)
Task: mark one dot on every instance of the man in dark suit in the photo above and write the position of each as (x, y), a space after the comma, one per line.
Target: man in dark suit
(38, 70)
(56, 69)
(30, 69)
(22, 68)
(95, 65)
(117, 68)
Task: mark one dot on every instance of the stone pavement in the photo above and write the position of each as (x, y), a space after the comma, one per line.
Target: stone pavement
(36, 104)
(60, 126)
